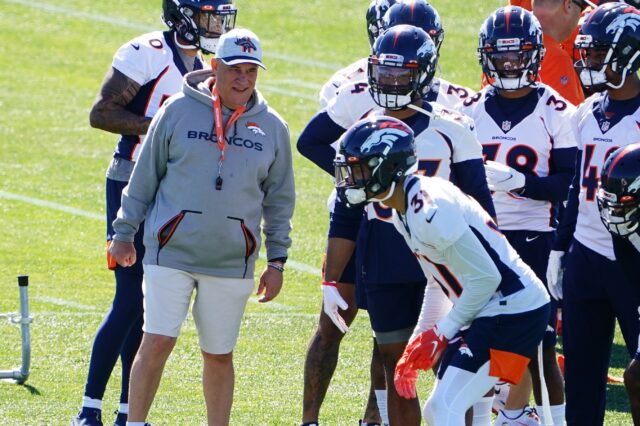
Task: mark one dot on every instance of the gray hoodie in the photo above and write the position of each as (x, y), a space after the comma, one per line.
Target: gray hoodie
(189, 224)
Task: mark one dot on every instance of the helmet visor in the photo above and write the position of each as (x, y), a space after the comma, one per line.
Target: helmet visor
(213, 23)
(393, 80)
(510, 64)
(619, 217)
(350, 174)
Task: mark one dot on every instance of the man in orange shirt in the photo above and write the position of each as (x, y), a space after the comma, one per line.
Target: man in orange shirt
(558, 18)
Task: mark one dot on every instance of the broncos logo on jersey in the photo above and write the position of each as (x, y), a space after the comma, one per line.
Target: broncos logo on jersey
(631, 20)
(246, 44)
(385, 136)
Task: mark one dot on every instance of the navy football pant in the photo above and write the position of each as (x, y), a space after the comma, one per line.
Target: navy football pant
(534, 248)
(121, 330)
(596, 293)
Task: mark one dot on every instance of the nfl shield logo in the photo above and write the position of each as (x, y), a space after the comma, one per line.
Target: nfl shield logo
(506, 125)
(604, 126)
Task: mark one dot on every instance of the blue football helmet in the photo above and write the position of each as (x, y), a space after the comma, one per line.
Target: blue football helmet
(619, 191)
(418, 13)
(510, 48)
(374, 154)
(609, 37)
(375, 13)
(401, 66)
(200, 22)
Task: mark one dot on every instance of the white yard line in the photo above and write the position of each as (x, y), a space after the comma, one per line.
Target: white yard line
(62, 302)
(51, 205)
(297, 266)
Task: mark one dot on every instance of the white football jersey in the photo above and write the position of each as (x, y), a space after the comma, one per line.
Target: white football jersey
(153, 61)
(597, 138)
(522, 140)
(457, 243)
(353, 100)
(353, 72)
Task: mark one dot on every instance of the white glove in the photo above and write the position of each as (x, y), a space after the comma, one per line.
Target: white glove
(554, 274)
(331, 301)
(501, 177)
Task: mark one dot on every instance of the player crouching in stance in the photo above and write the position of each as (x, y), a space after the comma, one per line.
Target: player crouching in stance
(500, 308)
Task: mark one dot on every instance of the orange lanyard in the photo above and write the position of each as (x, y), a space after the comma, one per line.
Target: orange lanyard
(220, 133)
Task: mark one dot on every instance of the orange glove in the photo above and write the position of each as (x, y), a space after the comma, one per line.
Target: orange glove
(405, 378)
(426, 349)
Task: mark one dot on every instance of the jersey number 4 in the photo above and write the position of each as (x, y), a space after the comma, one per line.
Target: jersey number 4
(590, 174)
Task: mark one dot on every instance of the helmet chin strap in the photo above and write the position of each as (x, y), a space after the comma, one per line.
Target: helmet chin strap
(183, 46)
(392, 188)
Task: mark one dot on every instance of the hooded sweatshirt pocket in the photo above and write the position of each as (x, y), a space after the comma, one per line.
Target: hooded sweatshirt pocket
(249, 239)
(167, 230)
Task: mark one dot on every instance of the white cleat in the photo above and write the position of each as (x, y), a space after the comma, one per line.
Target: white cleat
(501, 392)
(528, 417)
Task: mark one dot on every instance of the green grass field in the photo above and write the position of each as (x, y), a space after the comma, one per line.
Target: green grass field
(53, 56)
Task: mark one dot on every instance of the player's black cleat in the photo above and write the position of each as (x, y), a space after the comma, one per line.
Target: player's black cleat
(88, 417)
(121, 419)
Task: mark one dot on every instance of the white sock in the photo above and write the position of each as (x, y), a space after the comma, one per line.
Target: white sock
(136, 423)
(557, 414)
(482, 412)
(381, 399)
(124, 408)
(92, 403)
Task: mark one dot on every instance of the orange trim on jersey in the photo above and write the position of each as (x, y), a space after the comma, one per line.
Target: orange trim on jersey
(508, 366)
(153, 89)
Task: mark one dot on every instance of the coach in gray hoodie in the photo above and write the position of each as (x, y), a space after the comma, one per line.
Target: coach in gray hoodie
(214, 168)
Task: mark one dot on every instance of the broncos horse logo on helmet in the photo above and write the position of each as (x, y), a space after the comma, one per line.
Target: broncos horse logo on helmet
(608, 39)
(386, 136)
(374, 154)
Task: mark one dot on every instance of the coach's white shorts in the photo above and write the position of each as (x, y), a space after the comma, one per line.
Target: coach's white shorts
(217, 309)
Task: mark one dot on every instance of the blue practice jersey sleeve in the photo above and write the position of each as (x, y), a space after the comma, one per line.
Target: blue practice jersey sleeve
(315, 141)
(470, 176)
(569, 217)
(345, 221)
(553, 187)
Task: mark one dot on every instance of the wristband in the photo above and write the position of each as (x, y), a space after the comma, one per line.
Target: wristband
(277, 266)
(330, 283)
